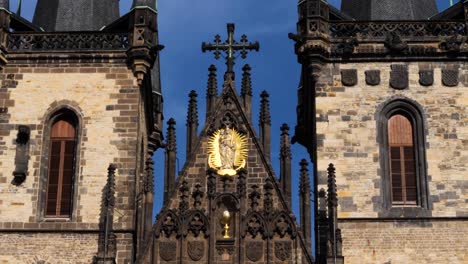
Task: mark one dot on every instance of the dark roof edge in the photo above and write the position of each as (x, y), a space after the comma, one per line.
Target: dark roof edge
(449, 12)
(19, 23)
(340, 15)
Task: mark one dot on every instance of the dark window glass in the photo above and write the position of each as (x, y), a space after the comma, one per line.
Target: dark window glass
(61, 168)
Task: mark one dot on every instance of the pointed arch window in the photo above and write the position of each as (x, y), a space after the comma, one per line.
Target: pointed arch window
(402, 138)
(402, 160)
(61, 165)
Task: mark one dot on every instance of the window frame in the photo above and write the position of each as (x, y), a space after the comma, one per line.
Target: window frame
(414, 113)
(50, 120)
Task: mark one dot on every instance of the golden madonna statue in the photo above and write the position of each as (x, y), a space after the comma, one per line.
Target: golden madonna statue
(227, 151)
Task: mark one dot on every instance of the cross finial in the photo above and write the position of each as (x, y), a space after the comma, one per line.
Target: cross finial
(230, 47)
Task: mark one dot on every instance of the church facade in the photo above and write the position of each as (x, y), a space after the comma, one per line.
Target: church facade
(383, 96)
(382, 111)
(80, 111)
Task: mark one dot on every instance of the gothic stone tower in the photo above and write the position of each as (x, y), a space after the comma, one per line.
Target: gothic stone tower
(386, 102)
(227, 205)
(80, 117)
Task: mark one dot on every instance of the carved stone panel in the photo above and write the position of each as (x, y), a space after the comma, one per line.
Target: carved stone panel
(283, 250)
(349, 77)
(372, 77)
(196, 250)
(426, 77)
(167, 250)
(399, 77)
(254, 250)
(450, 77)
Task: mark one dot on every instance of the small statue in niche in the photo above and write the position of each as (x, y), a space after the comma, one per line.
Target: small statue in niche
(22, 155)
(227, 149)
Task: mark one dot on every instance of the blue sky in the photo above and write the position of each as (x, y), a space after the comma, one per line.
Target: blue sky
(185, 24)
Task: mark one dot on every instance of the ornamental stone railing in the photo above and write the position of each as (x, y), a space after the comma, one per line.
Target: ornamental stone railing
(415, 30)
(69, 41)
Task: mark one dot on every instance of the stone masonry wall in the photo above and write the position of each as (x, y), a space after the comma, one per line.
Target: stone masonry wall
(106, 96)
(347, 136)
(400, 243)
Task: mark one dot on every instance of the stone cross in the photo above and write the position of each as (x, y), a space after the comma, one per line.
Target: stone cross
(230, 46)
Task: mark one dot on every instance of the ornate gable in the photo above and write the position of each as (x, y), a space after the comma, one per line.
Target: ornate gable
(226, 204)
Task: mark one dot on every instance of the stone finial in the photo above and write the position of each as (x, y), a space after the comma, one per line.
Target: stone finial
(170, 158)
(107, 247)
(268, 195)
(192, 113)
(285, 163)
(322, 200)
(211, 90)
(212, 85)
(285, 144)
(184, 196)
(265, 116)
(265, 124)
(254, 197)
(211, 182)
(171, 144)
(110, 187)
(197, 196)
(304, 185)
(246, 88)
(332, 195)
(304, 200)
(192, 122)
(246, 92)
(148, 184)
(242, 182)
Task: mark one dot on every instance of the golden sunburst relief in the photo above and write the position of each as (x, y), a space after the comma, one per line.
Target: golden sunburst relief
(227, 151)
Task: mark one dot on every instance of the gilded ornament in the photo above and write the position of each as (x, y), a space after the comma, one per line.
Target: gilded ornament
(227, 151)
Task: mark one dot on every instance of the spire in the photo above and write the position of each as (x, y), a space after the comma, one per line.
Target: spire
(144, 3)
(304, 197)
(334, 246)
(170, 158)
(211, 90)
(192, 122)
(107, 239)
(285, 163)
(265, 123)
(246, 91)
(75, 15)
(5, 4)
(332, 195)
(389, 9)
